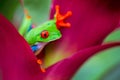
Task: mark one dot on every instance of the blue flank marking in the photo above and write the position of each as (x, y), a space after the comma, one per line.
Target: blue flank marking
(34, 48)
(29, 28)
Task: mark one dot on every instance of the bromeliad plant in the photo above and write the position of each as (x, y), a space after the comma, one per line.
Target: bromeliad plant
(91, 22)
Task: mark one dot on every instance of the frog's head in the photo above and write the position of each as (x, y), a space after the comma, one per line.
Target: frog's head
(50, 30)
(47, 32)
(44, 33)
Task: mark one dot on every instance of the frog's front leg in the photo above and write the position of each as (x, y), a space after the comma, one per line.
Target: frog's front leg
(37, 48)
(34, 48)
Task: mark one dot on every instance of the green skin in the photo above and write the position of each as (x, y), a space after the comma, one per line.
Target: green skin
(33, 36)
(25, 26)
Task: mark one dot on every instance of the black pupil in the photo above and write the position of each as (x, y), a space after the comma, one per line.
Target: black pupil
(45, 35)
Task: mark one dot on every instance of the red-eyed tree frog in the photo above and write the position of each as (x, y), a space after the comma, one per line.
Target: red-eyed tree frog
(49, 31)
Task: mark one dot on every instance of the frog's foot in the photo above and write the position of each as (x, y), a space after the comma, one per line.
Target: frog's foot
(27, 14)
(40, 63)
(34, 47)
(60, 18)
(42, 69)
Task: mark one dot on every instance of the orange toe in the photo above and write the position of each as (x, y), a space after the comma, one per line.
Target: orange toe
(39, 61)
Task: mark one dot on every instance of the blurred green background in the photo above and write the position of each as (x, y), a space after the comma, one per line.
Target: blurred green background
(104, 66)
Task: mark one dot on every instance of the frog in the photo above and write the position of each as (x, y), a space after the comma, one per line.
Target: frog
(39, 36)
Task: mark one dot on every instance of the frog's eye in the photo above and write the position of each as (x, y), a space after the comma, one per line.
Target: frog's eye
(44, 34)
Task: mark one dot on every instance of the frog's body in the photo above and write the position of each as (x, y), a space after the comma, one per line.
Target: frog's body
(50, 27)
(47, 32)
(35, 39)
(39, 36)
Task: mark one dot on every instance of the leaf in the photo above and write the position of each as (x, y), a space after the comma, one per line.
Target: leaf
(114, 36)
(113, 74)
(98, 65)
(8, 7)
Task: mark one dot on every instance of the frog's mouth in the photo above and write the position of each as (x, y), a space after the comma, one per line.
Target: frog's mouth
(60, 18)
(55, 37)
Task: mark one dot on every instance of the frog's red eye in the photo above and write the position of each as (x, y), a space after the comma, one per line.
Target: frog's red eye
(44, 34)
